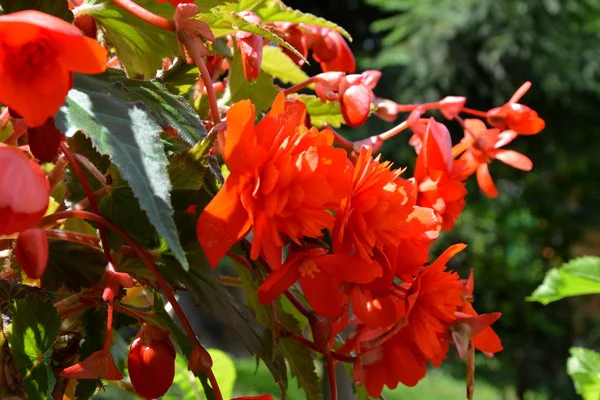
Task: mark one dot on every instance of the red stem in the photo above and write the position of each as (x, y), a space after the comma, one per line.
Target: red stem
(214, 384)
(145, 15)
(19, 129)
(331, 373)
(299, 86)
(109, 321)
(204, 74)
(339, 139)
(474, 112)
(307, 343)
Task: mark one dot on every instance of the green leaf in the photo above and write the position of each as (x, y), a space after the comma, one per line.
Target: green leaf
(584, 368)
(277, 64)
(120, 206)
(577, 277)
(227, 22)
(12, 290)
(187, 170)
(140, 46)
(126, 133)
(73, 265)
(187, 387)
(169, 110)
(276, 11)
(59, 9)
(322, 113)
(32, 334)
(261, 92)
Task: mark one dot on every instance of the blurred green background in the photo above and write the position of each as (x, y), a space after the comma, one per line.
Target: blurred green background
(484, 50)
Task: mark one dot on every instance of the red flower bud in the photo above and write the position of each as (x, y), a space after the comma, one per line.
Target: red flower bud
(24, 191)
(44, 141)
(151, 362)
(32, 252)
(250, 47)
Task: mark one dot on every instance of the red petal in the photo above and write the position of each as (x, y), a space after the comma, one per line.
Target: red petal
(349, 268)
(44, 141)
(224, 221)
(240, 151)
(99, 365)
(356, 105)
(487, 342)
(322, 292)
(484, 179)
(277, 282)
(514, 159)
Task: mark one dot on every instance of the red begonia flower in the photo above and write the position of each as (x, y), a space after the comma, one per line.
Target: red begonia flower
(515, 116)
(482, 145)
(151, 362)
(24, 191)
(39, 53)
(32, 252)
(331, 51)
(284, 178)
(99, 365)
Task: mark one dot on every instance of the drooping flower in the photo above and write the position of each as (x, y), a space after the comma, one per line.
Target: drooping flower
(250, 47)
(99, 365)
(24, 191)
(151, 362)
(331, 51)
(321, 276)
(356, 96)
(31, 251)
(379, 210)
(284, 178)
(517, 117)
(482, 145)
(38, 54)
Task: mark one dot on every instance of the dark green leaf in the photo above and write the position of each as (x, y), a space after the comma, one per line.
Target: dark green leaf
(72, 265)
(126, 133)
(12, 290)
(120, 206)
(584, 368)
(140, 46)
(32, 334)
(261, 91)
(577, 277)
(169, 110)
(59, 9)
(187, 170)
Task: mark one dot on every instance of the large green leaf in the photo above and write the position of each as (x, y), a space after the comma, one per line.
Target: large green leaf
(12, 290)
(322, 113)
(277, 64)
(33, 331)
(227, 22)
(577, 277)
(128, 134)
(584, 368)
(140, 46)
(260, 91)
(169, 110)
(59, 9)
(276, 11)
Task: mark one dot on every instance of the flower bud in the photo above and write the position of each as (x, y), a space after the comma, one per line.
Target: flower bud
(44, 141)
(151, 362)
(32, 252)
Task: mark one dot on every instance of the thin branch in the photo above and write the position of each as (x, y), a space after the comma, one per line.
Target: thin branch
(145, 15)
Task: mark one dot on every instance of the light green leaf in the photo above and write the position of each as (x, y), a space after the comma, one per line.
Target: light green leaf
(140, 46)
(33, 331)
(187, 387)
(276, 11)
(126, 133)
(584, 368)
(322, 113)
(577, 277)
(227, 22)
(261, 92)
(277, 64)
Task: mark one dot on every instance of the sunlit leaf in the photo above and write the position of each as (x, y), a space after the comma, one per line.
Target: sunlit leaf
(584, 368)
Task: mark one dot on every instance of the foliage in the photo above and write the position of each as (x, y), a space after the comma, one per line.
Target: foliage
(159, 171)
